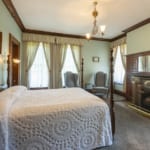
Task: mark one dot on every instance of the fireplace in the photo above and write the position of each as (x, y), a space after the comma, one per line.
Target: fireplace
(145, 96)
(141, 91)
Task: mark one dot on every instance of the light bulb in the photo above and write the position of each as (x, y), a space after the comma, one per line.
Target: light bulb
(88, 36)
(102, 29)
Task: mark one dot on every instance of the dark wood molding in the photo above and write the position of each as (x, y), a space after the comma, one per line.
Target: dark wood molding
(12, 41)
(138, 25)
(63, 35)
(16, 17)
(0, 42)
(14, 13)
(140, 53)
(118, 37)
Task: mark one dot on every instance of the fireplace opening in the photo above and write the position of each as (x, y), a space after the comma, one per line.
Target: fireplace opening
(141, 92)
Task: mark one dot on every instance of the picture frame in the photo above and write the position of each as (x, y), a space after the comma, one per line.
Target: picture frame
(95, 59)
(0, 42)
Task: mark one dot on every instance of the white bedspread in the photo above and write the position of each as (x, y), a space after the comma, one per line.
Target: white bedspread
(62, 119)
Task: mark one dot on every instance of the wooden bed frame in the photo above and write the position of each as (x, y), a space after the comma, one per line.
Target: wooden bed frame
(110, 100)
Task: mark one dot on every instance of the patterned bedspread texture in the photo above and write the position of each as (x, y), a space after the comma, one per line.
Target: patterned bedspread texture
(53, 119)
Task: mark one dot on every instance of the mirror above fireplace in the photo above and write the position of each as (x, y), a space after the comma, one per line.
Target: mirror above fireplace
(144, 63)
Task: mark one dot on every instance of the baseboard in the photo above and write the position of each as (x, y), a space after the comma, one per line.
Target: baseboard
(120, 93)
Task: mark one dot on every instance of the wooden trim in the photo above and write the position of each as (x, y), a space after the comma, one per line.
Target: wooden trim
(0, 42)
(138, 25)
(12, 40)
(63, 35)
(14, 13)
(16, 17)
(82, 65)
(118, 37)
(139, 53)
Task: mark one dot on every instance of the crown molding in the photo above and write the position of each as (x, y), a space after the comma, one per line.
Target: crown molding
(118, 37)
(14, 13)
(138, 25)
(9, 5)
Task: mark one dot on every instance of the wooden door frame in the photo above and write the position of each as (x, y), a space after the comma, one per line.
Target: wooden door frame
(12, 41)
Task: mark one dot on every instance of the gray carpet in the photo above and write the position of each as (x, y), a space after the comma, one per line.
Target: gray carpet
(118, 98)
(132, 130)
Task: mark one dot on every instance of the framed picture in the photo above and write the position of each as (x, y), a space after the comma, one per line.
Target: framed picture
(95, 59)
(0, 42)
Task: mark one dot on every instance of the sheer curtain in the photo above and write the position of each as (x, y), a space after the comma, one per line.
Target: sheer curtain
(76, 52)
(38, 74)
(69, 64)
(119, 67)
(47, 52)
(30, 55)
(123, 51)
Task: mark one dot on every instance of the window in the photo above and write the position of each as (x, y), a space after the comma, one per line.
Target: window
(38, 75)
(119, 71)
(69, 64)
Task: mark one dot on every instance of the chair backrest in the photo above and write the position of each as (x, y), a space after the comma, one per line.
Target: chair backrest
(100, 79)
(71, 79)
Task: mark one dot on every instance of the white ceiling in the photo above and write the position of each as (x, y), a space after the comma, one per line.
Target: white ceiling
(75, 16)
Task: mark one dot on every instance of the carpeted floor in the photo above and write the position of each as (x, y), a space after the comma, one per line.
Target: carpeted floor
(132, 129)
(118, 98)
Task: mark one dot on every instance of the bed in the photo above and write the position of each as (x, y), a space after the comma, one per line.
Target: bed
(53, 119)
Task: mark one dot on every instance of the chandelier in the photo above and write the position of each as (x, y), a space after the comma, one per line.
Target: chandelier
(96, 29)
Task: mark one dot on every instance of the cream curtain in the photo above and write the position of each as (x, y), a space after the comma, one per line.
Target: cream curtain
(118, 42)
(51, 39)
(60, 55)
(62, 60)
(76, 53)
(57, 59)
(52, 59)
(47, 52)
(30, 55)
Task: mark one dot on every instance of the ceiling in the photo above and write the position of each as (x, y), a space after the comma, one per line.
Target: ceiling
(75, 16)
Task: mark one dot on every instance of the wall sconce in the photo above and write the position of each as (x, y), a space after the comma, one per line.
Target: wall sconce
(1, 59)
(16, 61)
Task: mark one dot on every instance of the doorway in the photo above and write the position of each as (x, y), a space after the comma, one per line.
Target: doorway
(13, 61)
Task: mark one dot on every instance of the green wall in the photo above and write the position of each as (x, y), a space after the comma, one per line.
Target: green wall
(7, 25)
(138, 40)
(95, 48)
